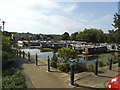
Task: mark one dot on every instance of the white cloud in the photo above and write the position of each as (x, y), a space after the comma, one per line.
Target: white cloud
(46, 17)
(70, 8)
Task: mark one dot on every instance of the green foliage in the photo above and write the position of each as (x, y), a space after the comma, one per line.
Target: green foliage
(91, 35)
(106, 63)
(54, 60)
(65, 67)
(65, 36)
(114, 61)
(66, 53)
(79, 67)
(100, 63)
(116, 21)
(73, 36)
(7, 59)
(13, 78)
(6, 44)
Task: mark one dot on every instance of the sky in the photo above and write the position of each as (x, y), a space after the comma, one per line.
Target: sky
(57, 17)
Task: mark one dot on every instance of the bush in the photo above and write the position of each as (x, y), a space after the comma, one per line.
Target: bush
(7, 59)
(106, 63)
(64, 67)
(54, 60)
(100, 63)
(79, 67)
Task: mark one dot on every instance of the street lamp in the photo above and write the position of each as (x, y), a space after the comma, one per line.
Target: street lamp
(3, 24)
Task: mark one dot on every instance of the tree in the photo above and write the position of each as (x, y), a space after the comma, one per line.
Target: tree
(111, 36)
(117, 27)
(116, 21)
(73, 36)
(65, 36)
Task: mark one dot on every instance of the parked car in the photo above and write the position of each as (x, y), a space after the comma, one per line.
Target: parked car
(114, 82)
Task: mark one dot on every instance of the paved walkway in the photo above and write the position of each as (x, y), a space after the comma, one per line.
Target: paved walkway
(40, 78)
(89, 79)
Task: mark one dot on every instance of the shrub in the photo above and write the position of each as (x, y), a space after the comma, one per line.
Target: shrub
(13, 78)
(54, 60)
(100, 63)
(79, 67)
(7, 59)
(106, 63)
(64, 67)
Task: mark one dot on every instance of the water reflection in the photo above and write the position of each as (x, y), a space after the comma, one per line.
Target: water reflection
(40, 53)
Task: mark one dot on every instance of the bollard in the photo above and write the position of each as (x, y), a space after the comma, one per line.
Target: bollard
(20, 53)
(36, 60)
(17, 52)
(72, 74)
(110, 65)
(23, 54)
(96, 67)
(48, 64)
(28, 56)
(119, 62)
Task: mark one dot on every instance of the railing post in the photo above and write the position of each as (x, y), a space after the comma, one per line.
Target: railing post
(36, 60)
(119, 62)
(96, 67)
(110, 65)
(28, 56)
(48, 64)
(23, 54)
(72, 74)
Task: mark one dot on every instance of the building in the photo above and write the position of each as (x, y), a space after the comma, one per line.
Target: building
(24, 36)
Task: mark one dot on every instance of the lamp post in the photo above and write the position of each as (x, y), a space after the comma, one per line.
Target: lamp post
(3, 24)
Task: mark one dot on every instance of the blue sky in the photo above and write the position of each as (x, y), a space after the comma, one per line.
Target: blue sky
(50, 17)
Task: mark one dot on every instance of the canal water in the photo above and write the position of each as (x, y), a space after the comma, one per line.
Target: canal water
(40, 52)
(84, 59)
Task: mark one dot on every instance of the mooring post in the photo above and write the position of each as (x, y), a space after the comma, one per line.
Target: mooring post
(72, 74)
(96, 67)
(36, 60)
(48, 64)
(23, 54)
(110, 65)
(119, 62)
(28, 56)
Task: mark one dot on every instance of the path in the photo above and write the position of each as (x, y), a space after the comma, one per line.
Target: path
(39, 76)
(88, 79)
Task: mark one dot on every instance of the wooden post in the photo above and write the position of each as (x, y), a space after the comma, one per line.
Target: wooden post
(96, 67)
(28, 56)
(48, 64)
(36, 60)
(72, 74)
(23, 54)
(110, 65)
